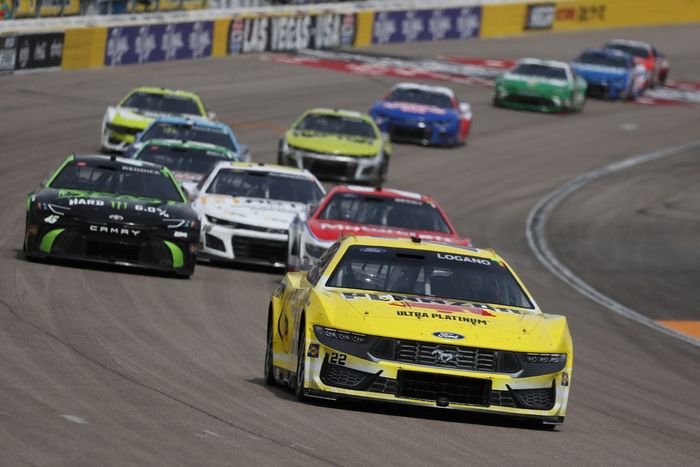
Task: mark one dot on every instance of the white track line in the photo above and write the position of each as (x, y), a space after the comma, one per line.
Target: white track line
(536, 238)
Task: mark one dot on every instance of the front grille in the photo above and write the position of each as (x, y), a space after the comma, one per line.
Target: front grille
(446, 356)
(327, 168)
(540, 399)
(383, 385)
(597, 90)
(124, 130)
(399, 132)
(112, 251)
(343, 377)
(502, 398)
(214, 243)
(529, 100)
(443, 389)
(257, 249)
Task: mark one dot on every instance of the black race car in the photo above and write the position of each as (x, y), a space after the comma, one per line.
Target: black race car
(115, 211)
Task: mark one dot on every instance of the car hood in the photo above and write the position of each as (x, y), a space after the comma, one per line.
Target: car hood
(410, 110)
(108, 207)
(599, 71)
(131, 118)
(412, 317)
(250, 211)
(337, 144)
(330, 230)
(534, 86)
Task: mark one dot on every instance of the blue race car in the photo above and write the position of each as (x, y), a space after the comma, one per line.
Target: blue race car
(610, 74)
(193, 130)
(427, 115)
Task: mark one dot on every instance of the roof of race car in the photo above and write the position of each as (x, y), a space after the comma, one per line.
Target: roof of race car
(385, 192)
(338, 112)
(261, 167)
(176, 143)
(408, 243)
(632, 43)
(195, 121)
(539, 61)
(121, 160)
(165, 91)
(605, 51)
(424, 87)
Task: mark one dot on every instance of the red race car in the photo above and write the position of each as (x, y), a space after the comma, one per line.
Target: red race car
(655, 63)
(378, 212)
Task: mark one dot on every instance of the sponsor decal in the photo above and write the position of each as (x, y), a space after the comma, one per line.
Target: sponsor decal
(115, 230)
(414, 108)
(313, 351)
(464, 259)
(540, 16)
(158, 42)
(85, 202)
(442, 356)
(439, 304)
(8, 53)
(383, 231)
(52, 219)
(34, 51)
(118, 205)
(177, 234)
(290, 32)
(116, 217)
(581, 14)
(440, 316)
(426, 25)
(372, 250)
(448, 335)
(565, 379)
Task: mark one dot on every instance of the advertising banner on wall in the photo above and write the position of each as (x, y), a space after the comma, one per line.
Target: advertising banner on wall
(540, 16)
(158, 42)
(39, 51)
(289, 33)
(426, 25)
(8, 52)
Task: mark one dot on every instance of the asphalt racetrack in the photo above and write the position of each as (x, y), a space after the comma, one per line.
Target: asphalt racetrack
(103, 367)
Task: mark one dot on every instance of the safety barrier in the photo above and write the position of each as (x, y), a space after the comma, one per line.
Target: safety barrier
(225, 32)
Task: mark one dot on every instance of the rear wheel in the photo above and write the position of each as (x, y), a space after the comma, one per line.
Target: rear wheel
(301, 366)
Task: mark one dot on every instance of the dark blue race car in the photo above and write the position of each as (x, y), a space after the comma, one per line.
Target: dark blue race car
(428, 115)
(610, 74)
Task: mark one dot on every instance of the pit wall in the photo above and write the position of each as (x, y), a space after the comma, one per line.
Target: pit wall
(332, 27)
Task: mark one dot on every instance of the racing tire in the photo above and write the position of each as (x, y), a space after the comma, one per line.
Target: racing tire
(269, 374)
(184, 273)
(497, 102)
(299, 379)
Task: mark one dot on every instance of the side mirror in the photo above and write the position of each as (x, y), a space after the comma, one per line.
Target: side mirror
(211, 115)
(191, 193)
(465, 108)
(43, 182)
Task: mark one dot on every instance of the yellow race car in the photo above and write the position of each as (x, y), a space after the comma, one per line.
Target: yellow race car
(419, 323)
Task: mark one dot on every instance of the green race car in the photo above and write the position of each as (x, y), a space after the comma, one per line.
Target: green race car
(543, 85)
(337, 145)
(142, 106)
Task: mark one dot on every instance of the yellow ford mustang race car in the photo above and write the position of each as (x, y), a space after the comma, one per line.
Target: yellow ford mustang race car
(419, 323)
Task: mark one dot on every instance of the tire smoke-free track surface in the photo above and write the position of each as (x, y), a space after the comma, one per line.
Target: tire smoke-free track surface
(105, 367)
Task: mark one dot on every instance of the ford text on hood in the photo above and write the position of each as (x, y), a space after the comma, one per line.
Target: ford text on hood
(114, 211)
(418, 323)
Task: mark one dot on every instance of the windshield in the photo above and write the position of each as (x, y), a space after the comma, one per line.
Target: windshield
(382, 210)
(336, 124)
(116, 178)
(596, 58)
(169, 104)
(180, 159)
(419, 96)
(185, 132)
(641, 52)
(268, 185)
(541, 71)
(405, 271)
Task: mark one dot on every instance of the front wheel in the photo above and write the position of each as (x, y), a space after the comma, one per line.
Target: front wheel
(269, 355)
(301, 367)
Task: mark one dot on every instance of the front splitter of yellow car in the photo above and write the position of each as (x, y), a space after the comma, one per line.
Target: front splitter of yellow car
(331, 374)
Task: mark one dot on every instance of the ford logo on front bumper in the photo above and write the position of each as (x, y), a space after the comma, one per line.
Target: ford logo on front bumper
(448, 335)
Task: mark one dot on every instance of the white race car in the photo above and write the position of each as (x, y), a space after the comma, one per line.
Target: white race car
(246, 209)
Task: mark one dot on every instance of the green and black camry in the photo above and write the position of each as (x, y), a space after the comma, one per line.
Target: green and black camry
(114, 211)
